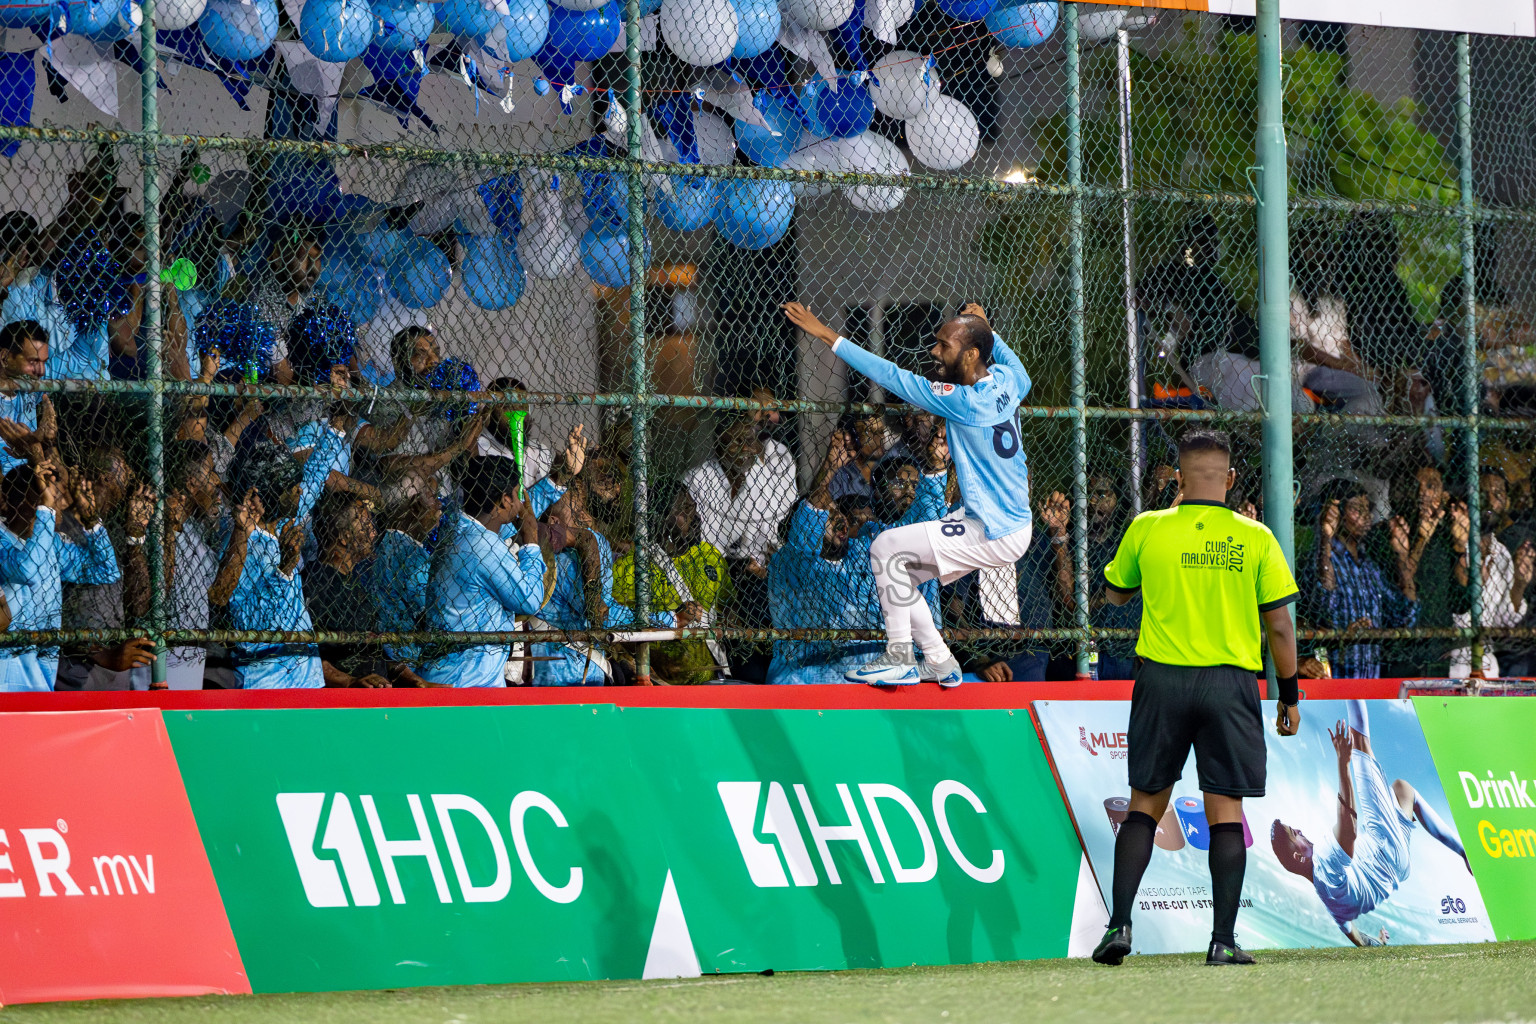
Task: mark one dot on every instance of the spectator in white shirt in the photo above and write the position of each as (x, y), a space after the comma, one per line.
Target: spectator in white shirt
(743, 493)
(1506, 576)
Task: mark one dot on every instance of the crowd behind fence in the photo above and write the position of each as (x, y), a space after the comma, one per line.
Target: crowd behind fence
(353, 391)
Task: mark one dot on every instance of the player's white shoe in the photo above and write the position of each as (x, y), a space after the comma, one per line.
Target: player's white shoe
(897, 666)
(946, 673)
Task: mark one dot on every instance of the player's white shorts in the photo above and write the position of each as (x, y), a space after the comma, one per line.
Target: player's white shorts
(949, 548)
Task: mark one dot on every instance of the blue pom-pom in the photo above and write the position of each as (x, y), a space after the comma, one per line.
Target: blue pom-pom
(319, 338)
(89, 284)
(243, 337)
(455, 375)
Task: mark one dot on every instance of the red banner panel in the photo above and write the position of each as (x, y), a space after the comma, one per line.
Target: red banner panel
(105, 890)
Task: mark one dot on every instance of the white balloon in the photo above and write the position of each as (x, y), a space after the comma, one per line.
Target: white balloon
(1099, 25)
(549, 250)
(884, 17)
(581, 5)
(173, 15)
(717, 142)
(701, 32)
(902, 93)
(945, 136)
(818, 155)
(818, 15)
(873, 154)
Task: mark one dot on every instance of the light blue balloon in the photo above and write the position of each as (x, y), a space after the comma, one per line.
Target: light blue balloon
(842, 114)
(237, 31)
(339, 255)
(88, 17)
(469, 17)
(361, 292)
(753, 214)
(1024, 24)
(419, 274)
(382, 244)
(690, 206)
(760, 144)
(121, 25)
(757, 27)
(527, 28)
(492, 276)
(335, 31)
(649, 7)
(401, 28)
(605, 254)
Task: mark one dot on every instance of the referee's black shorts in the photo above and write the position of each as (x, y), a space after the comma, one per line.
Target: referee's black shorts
(1215, 710)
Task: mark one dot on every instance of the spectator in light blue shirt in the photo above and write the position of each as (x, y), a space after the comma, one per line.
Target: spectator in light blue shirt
(479, 582)
(35, 562)
(258, 578)
(401, 566)
(25, 416)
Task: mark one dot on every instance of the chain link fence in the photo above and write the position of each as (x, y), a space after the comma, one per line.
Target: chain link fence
(295, 292)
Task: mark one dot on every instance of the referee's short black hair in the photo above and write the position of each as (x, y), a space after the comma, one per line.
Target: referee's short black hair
(1202, 439)
(975, 333)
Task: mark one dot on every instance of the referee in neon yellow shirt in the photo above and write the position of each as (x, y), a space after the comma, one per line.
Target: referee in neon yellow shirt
(1208, 579)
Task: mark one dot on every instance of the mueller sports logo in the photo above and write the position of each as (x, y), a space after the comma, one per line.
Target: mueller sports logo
(342, 843)
(750, 814)
(1112, 743)
(53, 868)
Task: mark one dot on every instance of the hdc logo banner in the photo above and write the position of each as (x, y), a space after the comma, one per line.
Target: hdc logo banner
(1485, 748)
(1353, 842)
(425, 846)
(822, 840)
(104, 886)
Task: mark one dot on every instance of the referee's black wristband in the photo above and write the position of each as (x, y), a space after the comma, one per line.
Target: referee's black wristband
(1289, 693)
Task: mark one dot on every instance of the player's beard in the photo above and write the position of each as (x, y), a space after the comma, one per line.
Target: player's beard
(944, 373)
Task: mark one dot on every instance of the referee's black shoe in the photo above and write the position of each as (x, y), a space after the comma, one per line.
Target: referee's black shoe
(1114, 947)
(1222, 955)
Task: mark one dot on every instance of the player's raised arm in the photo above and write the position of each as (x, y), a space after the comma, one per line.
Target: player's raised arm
(949, 400)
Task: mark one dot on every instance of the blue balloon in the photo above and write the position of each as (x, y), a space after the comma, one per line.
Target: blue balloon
(237, 31)
(605, 197)
(967, 10)
(753, 214)
(401, 28)
(582, 35)
(761, 145)
(339, 254)
(88, 17)
(382, 244)
(649, 7)
(470, 17)
(493, 278)
(363, 294)
(122, 24)
(18, 13)
(842, 114)
(527, 28)
(605, 254)
(419, 274)
(690, 206)
(336, 30)
(1024, 24)
(757, 26)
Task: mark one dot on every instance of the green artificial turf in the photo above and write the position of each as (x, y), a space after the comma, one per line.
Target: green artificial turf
(1358, 986)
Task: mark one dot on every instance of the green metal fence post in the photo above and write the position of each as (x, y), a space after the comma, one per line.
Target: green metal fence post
(1274, 286)
(1466, 214)
(639, 370)
(1079, 347)
(150, 155)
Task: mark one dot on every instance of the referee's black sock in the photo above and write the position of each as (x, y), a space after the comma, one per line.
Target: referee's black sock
(1229, 859)
(1133, 852)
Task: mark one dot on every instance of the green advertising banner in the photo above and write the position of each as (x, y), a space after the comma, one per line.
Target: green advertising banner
(1485, 752)
(381, 848)
(822, 840)
(365, 849)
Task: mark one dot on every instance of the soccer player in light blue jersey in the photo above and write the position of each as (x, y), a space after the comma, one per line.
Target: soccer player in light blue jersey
(977, 387)
(480, 582)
